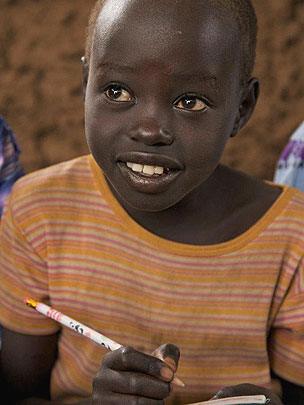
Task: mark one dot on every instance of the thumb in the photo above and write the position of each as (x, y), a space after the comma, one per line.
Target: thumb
(169, 354)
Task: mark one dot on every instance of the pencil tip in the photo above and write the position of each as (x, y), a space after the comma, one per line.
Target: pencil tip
(178, 382)
(30, 302)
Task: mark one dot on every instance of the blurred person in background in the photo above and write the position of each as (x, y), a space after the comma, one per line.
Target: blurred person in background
(10, 167)
(290, 166)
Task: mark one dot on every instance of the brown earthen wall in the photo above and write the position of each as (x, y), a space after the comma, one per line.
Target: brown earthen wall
(41, 42)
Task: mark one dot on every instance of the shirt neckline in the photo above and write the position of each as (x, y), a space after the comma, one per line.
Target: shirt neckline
(183, 248)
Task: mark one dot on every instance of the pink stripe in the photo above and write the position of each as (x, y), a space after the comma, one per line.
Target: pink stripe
(14, 279)
(19, 253)
(262, 375)
(119, 281)
(283, 232)
(79, 357)
(116, 244)
(78, 176)
(188, 297)
(101, 309)
(287, 319)
(259, 350)
(283, 356)
(288, 220)
(30, 206)
(65, 382)
(203, 266)
(130, 319)
(118, 277)
(218, 357)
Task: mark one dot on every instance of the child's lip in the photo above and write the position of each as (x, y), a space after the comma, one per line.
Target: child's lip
(151, 159)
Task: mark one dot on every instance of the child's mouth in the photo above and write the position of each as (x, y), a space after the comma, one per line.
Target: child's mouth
(149, 179)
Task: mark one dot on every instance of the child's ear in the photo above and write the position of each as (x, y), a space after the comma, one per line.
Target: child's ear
(85, 76)
(250, 96)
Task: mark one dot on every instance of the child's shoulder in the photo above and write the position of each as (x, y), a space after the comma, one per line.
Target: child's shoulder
(58, 175)
(264, 195)
(60, 182)
(253, 201)
(295, 199)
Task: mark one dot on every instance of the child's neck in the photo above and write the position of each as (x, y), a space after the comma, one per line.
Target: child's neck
(222, 208)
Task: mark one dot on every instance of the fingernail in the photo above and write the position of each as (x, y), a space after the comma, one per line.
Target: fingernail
(178, 381)
(167, 373)
(170, 362)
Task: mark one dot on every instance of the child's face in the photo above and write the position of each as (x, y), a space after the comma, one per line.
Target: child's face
(163, 91)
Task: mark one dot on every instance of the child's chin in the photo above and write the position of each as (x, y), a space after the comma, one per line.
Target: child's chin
(149, 204)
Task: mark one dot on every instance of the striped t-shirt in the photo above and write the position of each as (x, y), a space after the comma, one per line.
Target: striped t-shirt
(235, 309)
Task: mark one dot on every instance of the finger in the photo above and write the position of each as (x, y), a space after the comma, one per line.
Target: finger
(169, 353)
(126, 382)
(276, 387)
(120, 399)
(129, 359)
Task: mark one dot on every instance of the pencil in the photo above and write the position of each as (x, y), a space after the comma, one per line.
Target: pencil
(73, 324)
(80, 328)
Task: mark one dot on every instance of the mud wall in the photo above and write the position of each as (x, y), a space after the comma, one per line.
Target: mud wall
(41, 42)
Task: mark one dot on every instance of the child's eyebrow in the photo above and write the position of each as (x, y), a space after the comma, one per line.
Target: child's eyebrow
(116, 67)
(198, 76)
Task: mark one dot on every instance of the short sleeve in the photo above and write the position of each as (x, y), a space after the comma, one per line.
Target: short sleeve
(286, 343)
(23, 274)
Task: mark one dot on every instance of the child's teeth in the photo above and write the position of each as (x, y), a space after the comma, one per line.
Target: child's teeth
(137, 167)
(158, 170)
(148, 169)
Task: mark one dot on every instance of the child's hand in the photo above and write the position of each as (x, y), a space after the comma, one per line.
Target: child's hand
(248, 389)
(131, 377)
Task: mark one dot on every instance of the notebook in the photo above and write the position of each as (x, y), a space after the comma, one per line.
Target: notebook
(245, 400)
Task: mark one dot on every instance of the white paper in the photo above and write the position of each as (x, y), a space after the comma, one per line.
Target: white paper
(252, 400)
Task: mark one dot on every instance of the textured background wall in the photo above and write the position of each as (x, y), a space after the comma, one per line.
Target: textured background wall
(41, 42)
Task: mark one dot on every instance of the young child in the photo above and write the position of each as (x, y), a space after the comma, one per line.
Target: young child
(151, 240)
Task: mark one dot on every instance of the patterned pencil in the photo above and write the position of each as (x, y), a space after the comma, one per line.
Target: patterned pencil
(80, 328)
(73, 324)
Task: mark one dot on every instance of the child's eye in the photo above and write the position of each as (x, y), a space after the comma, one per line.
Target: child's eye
(115, 92)
(190, 103)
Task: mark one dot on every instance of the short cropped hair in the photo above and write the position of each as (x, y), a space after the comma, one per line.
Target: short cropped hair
(245, 16)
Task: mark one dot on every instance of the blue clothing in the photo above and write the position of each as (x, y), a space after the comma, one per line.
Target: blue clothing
(10, 168)
(290, 166)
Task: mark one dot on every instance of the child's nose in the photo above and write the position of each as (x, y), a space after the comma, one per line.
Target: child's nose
(151, 133)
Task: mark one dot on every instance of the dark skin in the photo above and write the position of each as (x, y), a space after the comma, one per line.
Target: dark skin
(149, 118)
(172, 98)
(125, 374)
